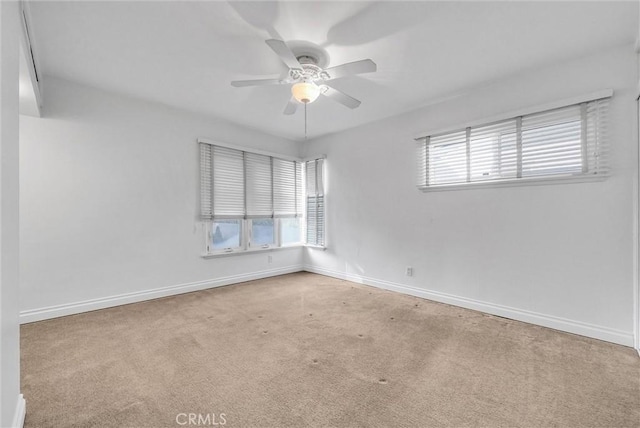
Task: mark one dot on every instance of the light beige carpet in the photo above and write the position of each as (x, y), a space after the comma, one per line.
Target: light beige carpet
(304, 350)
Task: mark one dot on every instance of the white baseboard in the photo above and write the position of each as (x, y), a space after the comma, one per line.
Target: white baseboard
(557, 323)
(20, 413)
(32, 315)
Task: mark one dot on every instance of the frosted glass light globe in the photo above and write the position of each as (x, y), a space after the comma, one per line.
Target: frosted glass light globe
(305, 92)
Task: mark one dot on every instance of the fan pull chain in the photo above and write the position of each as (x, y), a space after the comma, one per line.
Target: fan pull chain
(305, 121)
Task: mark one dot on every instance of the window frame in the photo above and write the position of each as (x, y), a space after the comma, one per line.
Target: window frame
(245, 248)
(519, 180)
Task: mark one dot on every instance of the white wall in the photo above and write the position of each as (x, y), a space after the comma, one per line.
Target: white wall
(558, 255)
(11, 403)
(108, 204)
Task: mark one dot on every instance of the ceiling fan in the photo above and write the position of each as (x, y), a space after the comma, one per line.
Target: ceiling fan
(308, 77)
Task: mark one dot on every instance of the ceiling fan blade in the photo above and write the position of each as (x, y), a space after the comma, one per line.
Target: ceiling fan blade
(350, 68)
(340, 97)
(284, 53)
(291, 107)
(259, 82)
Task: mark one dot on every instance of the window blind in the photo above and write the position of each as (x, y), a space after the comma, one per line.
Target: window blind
(560, 143)
(206, 182)
(448, 158)
(239, 184)
(493, 152)
(552, 142)
(315, 224)
(259, 189)
(287, 188)
(228, 183)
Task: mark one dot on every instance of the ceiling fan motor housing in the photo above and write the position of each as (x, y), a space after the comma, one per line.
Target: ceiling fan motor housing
(308, 73)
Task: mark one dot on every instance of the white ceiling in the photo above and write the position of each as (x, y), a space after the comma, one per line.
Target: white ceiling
(184, 54)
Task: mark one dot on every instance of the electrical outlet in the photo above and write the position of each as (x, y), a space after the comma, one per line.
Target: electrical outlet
(269, 259)
(409, 271)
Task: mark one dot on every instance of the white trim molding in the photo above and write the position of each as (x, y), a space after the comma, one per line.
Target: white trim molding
(563, 324)
(558, 323)
(20, 413)
(636, 237)
(39, 314)
(251, 251)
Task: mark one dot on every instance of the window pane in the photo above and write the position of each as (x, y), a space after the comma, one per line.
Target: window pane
(225, 234)
(262, 232)
(290, 231)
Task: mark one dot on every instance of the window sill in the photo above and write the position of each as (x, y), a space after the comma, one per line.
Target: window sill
(317, 247)
(516, 182)
(251, 251)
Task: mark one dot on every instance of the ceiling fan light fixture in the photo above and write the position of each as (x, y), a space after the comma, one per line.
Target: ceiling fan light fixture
(305, 92)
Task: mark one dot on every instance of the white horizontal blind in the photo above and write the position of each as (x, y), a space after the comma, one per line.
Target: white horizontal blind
(206, 182)
(228, 183)
(551, 142)
(493, 152)
(310, 176)
(259, 185)
(299, 190)
(312, 220)
(448, 158)
(565, 142)
(287, 188)
(319, 239)
(422, 155)
(315, 224)
(597, 147)
(237, 184)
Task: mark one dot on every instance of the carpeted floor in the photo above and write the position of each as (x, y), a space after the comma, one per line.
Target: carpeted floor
(307, 350)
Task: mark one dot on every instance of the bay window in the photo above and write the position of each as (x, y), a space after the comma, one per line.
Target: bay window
(249, 201)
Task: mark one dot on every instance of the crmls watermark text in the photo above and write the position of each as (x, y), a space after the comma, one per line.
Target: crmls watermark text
(201, 419)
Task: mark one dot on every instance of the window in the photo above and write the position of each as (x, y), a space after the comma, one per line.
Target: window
(314, 174)
(249, 200)
(290, 232)
(566, 142)
(262, 233)
(225, 234)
